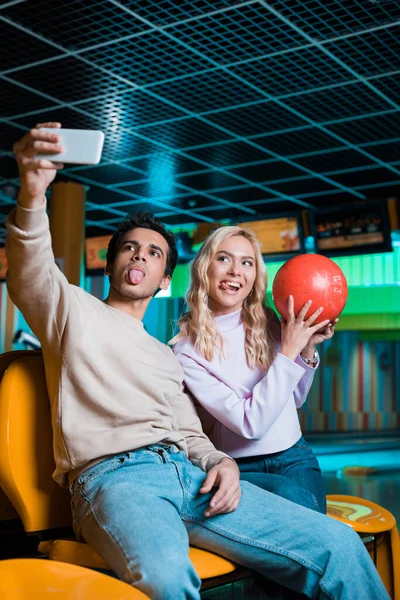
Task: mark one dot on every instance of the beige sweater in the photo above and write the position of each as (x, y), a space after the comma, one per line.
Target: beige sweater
(112, 386)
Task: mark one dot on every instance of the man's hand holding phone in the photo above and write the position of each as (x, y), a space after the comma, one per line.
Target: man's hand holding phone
(37, 173)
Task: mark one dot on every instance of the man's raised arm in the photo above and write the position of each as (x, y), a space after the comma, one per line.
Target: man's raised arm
(35, 284)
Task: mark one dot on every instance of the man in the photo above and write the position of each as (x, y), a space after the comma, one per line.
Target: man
(127, 440)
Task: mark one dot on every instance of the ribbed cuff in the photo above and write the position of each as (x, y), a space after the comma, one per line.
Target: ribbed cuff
(30, 219)
(216, 458)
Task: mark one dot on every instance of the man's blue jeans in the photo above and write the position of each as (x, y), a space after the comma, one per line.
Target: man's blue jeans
(141, 509)
(293, 474)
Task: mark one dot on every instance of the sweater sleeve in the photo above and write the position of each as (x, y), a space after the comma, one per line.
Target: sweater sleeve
(302, 389)
(34, 282)
(201, 451)
(250, 416)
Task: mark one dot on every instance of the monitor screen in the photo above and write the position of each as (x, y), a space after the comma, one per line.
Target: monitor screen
(278, 236)
(96, 252)
(3, 263)
(352, 229)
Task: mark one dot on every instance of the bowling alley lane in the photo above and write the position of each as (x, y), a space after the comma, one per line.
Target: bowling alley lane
(362, 464)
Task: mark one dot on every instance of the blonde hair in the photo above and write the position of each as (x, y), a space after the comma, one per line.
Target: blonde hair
(199, 324)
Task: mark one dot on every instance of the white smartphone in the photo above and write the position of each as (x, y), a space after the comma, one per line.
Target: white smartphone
(81, 146)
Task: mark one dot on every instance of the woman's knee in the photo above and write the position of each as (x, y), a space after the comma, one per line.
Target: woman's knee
(283, 487)
(296, 494)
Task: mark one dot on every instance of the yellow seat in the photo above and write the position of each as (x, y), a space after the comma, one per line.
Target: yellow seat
(207, 565)
(38, 579)
(27, 464)
(26, 444)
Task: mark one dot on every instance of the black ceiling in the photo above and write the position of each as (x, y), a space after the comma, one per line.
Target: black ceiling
(212, 109)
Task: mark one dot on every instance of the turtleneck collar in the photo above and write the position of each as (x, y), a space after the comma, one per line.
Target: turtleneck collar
(230, 321)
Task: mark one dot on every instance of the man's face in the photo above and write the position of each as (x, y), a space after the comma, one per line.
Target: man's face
(139, 265)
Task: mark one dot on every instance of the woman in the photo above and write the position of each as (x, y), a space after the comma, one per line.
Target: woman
(247, 374)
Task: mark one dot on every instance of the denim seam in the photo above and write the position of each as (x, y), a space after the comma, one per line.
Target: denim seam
(316, 505)
(245, 541)
(94, 477)
(316, 464)
(326, 591)
(183, 485)
(112, 537)
(77, 485)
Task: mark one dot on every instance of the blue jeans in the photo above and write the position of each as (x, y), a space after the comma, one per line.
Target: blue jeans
(141, 509)
(293, 474)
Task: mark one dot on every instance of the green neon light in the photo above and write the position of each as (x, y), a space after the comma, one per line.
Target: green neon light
(374, 289)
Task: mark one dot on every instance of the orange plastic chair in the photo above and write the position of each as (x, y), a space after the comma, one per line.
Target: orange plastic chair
(378, 527)
(40, 579)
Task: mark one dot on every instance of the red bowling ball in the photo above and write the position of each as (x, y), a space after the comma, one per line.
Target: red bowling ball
(310, 277)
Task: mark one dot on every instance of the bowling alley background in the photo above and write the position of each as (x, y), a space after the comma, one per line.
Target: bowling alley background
(355, 388)
(219, 111)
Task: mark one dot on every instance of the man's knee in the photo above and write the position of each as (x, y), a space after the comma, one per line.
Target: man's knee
(165, 579)
(340, 537)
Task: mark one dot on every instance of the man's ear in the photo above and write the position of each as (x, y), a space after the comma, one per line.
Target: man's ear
(107, 269)
(164, 285)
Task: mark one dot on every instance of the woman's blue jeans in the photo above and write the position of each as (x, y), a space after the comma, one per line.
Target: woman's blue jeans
(293, 474)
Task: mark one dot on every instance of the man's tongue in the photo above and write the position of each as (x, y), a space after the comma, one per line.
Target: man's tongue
(135, 276)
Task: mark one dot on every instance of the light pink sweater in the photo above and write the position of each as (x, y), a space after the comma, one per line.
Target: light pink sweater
(244, 411)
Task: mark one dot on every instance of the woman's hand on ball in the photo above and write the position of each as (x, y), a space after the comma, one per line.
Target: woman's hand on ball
(322, 335)
(297, 332)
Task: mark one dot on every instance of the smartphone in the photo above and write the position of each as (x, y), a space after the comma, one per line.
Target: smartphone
(81, 146)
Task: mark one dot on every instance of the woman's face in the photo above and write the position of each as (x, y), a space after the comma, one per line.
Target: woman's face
(231, 275)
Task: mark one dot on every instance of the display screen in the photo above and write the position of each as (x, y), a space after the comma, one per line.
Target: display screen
(353, 230)
(3, 263)
(281, 235)
(96, 251)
